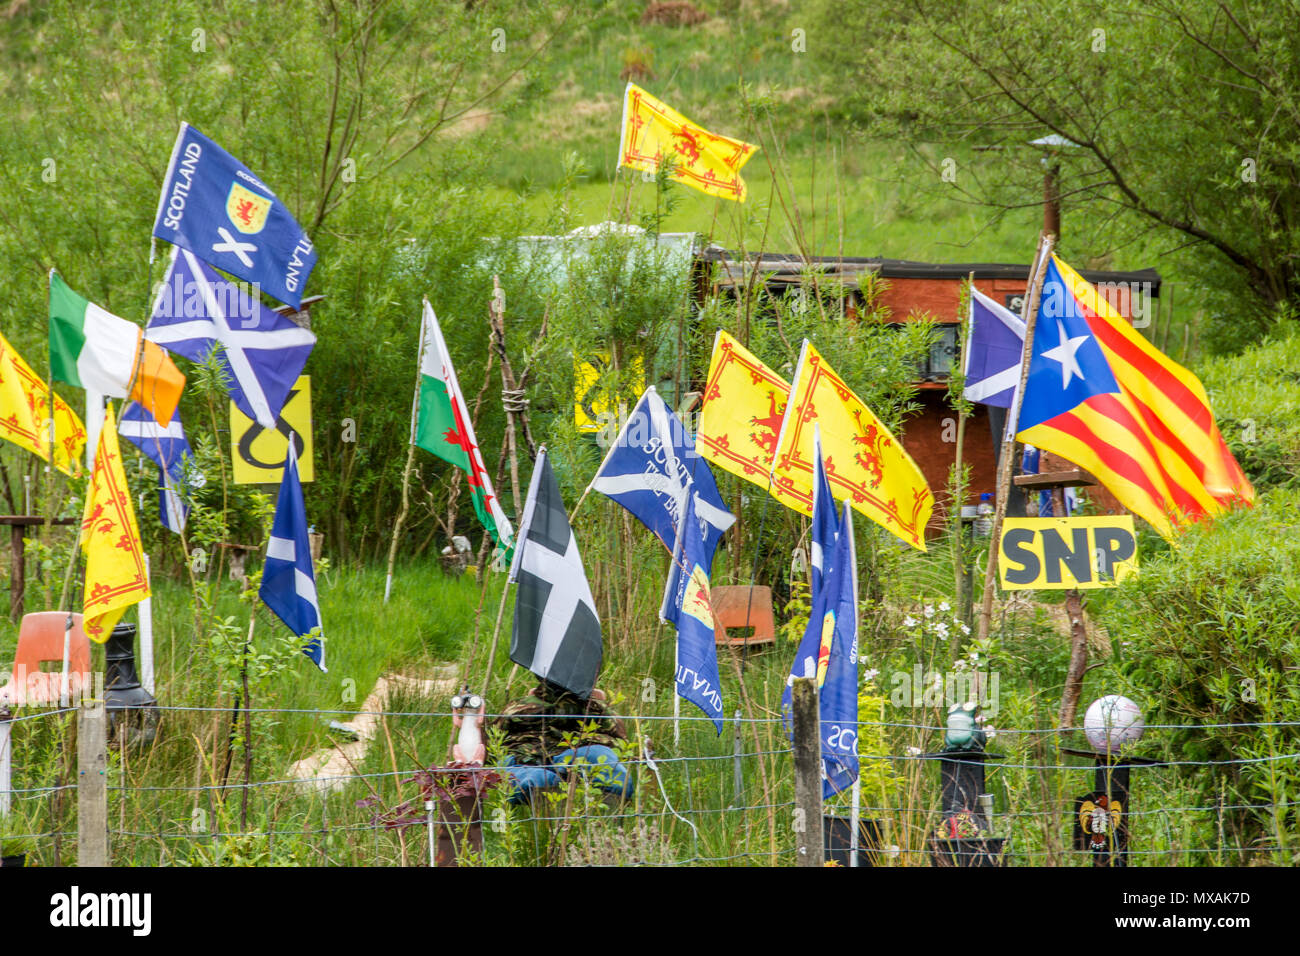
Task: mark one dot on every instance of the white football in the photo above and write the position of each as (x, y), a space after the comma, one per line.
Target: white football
(1112, 722)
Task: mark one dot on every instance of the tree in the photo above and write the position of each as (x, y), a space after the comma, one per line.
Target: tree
(1183, 119)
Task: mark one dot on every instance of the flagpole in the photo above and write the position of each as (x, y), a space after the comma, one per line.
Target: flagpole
(410, 461)
(855, 815)
(959, 477)
(1029, 314)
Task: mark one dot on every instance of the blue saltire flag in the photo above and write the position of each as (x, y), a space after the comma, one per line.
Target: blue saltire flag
(213, 205)
(829, 649)
(648, 468)
(288, 579)
(169, 449)
(996, 345)
(1068, 365)
(263, 352)
(687, 605)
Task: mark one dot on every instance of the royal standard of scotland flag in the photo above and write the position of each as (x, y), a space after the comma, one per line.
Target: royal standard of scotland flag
(997, 342)
(288, 579)
(687, 604)
(169, 449)
(648, 468)
(213, 205)
(263, 352)
(829, 649)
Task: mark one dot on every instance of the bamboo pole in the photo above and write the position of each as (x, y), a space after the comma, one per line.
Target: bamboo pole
(410, 461)
(959, 476)
(1029, 314)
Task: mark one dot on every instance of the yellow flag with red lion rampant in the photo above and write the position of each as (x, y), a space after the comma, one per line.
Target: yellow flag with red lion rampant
(865, 464)
(654, 131)
(115, 573)
(744, 404)
(25, 413)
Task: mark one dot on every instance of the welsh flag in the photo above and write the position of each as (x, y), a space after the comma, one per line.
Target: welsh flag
(442, 427)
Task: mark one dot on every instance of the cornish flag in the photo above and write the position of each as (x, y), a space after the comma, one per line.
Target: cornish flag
(441, 426)
(288, 579)
(263, 352)
(649, 467)
(169, 449)
(557, 631)
(997, 341)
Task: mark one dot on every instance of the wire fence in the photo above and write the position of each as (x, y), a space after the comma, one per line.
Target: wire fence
(714, 799)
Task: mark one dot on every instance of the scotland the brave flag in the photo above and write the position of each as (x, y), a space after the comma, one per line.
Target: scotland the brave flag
(213, 205)
(288, 579)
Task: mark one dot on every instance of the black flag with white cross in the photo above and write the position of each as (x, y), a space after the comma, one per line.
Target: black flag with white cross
(557, 631)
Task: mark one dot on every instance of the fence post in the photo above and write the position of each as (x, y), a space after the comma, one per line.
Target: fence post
(92, 785)
(6, 760)
(737, 774)
(809, 846)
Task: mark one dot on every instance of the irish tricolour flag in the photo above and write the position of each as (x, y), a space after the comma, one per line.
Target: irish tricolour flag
(98, 351)
(442, 426)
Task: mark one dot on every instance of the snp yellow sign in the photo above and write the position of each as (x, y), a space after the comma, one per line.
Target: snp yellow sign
(1058, 553)
(595, 405)
(259, 454)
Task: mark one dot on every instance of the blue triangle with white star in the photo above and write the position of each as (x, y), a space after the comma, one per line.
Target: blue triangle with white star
(1068, 366)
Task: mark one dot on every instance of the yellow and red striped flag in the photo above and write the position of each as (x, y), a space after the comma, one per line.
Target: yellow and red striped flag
(653, 131)
(1100, 395)
(865, 464)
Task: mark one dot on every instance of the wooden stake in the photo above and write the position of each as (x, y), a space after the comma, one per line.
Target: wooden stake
(92, 785)
(809, 848)
(1078, 638)
(410, 461)
(1029, 314)
(959, 477)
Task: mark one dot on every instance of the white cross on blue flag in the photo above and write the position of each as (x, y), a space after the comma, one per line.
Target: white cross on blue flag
(169, 449)
(288, 578)
(997, 343)
(263, 352)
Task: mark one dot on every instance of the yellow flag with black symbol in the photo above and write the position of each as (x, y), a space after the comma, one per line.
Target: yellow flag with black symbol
(597, 406)
(116, 576)
(259, 454)
(653, 131)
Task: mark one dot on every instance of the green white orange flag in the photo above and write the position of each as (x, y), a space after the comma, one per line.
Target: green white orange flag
(98, 351)
(441, 426)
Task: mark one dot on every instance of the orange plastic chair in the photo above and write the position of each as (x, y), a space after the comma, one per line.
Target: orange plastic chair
(40, 640)
(742, 605)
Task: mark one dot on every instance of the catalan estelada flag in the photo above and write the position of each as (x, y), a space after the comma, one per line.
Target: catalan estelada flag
(1100, 395)
(25, 408)
(865, 464)
(744, 405)
(115, 571)
(653, 131)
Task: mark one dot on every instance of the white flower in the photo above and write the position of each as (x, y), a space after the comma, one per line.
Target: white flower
(870, 675)
(929, 611)
(943, 606)
(965, 630)
(914, 751)
(942, 630)
(990, 732)
(910, 621)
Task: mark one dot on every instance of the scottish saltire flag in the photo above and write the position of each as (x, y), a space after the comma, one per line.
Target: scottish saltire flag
(687, 604)
(170, 451)
(829, 649)
(825, 521)
(649, 467)
(263, 352)
(557, 631)
(213, 205)
(997, 342)
(288, 578)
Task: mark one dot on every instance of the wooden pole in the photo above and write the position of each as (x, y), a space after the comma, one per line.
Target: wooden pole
(1029, 314)
(959, 475)
(410, 462)
(809, 848)
(6, 760)
(1078, 638)
(92, 785)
